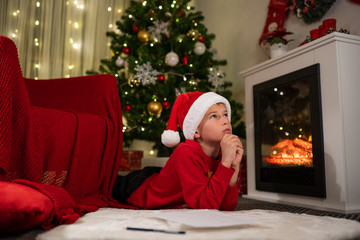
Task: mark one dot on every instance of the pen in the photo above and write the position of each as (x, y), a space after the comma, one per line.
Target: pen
(155, 230)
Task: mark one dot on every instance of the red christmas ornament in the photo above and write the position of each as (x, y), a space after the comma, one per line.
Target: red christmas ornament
(305, 10)
(165, 104)
(185, 60)
(127, 107)
(202, 39)
(135, 28)
(161, 78)
(126, 50)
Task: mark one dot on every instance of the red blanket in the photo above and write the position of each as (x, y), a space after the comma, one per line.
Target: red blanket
(65, 133)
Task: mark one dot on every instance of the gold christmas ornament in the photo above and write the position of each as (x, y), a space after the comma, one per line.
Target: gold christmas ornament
(154, 108)
(193, 33)
(144, 36)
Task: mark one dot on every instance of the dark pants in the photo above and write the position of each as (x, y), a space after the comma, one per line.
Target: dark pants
(125, 185)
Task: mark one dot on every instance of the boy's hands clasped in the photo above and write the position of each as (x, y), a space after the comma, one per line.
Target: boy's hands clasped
(232, 151)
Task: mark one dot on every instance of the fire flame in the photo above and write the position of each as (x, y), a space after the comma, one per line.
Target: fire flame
(291, 152)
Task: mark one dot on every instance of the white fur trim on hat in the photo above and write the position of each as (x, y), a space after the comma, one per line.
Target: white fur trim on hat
(170, 138)
(198, 109)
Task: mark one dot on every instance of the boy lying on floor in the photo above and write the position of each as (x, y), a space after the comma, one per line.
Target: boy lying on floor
(202, 172)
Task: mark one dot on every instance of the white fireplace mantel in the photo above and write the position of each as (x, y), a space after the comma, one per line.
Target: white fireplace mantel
(339, 58)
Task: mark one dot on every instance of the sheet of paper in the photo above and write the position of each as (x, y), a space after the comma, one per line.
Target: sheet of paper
(204, 218)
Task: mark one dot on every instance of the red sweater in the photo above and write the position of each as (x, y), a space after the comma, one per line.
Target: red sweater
(189, 177)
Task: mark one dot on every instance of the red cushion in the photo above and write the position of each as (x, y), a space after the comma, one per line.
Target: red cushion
(22, 207)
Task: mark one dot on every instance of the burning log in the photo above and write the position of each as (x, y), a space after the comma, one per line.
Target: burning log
(290, 153)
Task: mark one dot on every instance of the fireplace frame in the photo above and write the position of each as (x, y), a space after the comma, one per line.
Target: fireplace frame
(306, 181)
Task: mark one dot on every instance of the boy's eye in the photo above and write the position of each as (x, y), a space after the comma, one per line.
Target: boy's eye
(213, 116)
(226, 115)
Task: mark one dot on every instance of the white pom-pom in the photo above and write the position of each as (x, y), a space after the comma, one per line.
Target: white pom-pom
(170, 138)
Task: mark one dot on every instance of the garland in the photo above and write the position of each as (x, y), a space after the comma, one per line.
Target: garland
(310, 10)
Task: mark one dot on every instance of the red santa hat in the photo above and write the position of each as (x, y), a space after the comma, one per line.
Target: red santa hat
(187, 113)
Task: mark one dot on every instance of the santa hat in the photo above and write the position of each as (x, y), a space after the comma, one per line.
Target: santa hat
(187, 113)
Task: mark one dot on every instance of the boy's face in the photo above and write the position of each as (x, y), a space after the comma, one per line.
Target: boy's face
(214, 125)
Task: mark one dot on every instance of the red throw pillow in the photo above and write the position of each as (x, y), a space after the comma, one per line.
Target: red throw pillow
(22, 207)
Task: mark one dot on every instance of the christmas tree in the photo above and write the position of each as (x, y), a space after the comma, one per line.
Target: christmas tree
(162, 49)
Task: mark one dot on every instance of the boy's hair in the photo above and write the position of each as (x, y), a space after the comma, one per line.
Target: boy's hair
(187, 113)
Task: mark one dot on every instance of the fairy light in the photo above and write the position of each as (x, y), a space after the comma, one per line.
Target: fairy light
(144, 3)
(74, 42)
(36, 42)
(151, 152)
(142, 129)
(188, 8)
(160, 7)
(130, 16)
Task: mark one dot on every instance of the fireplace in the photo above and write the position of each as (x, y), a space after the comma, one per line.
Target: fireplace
(289, 152)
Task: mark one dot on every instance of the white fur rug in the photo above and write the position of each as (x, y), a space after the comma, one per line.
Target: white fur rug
(109, 224)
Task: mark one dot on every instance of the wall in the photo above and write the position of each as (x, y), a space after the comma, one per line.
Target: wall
(238, 24)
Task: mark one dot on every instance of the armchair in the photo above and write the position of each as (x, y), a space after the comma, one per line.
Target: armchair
(60, 137)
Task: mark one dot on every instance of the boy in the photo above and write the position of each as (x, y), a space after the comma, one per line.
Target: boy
(202, 172)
